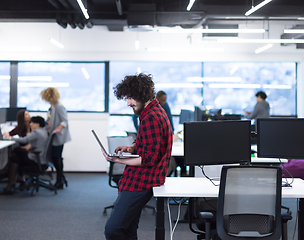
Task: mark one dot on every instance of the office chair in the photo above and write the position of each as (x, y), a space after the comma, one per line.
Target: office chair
(115, 169)
(35, 179)
(249, 204)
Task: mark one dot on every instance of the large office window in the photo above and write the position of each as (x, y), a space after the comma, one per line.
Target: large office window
(81, 85)
(170, 77)
(4, 84)
(232, 86)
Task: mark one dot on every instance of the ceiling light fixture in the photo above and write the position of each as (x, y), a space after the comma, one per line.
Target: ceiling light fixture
(214, 79)
(262, 49)
(56, 43)
(20, 49)
(273, 86)
(226, 85)
(5, 77)
(43, 84)
(293, 30)
(191, 2)
(83, 9)
(178, 85)
(253, 9)
(241, 40)
(85, 73)
(177, 49)
(209, 30)
(35, 78)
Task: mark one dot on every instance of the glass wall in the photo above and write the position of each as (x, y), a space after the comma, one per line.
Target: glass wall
(4, 84)
(232, 86)
(81, 85)
(228, 86)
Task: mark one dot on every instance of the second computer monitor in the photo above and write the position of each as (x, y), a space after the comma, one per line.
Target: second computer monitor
(280, 137)
(217, 142)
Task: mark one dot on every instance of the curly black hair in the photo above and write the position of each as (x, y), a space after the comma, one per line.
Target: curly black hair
(140, 87)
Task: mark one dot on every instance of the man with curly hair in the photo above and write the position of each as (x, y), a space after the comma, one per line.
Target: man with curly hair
(153, 144)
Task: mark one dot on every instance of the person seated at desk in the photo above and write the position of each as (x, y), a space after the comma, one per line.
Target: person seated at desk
(22, 128)
(293, 168)
(36, 140)
(23, 125)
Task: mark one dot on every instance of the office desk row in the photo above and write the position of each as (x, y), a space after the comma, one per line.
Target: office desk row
(5, 143)
(4, 151)
(191, 187)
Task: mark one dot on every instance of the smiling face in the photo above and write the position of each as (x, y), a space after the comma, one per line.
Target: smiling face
(27, 116)
(137, 106)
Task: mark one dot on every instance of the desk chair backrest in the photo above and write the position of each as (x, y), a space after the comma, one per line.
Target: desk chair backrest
(35, 179)
(249, 203)
(46, 155)
(116, 170)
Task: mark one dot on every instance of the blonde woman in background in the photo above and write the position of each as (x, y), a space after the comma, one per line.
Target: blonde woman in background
(57, 122)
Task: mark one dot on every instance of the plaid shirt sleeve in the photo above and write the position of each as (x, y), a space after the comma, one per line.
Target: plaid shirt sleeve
(154, 145)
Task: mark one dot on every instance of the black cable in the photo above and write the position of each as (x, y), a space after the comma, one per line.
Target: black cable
(210, 179)
(286, 184)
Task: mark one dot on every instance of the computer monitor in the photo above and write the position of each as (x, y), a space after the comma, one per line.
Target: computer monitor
(9, 114)
(217, 142)
(186, 116)
(199, 114)
(215, 114)
(280, 137)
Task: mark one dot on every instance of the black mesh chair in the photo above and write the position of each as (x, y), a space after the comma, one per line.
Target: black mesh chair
(36, 177)
(249, 204)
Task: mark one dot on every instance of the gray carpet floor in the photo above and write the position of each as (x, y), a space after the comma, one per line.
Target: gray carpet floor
(76, 213)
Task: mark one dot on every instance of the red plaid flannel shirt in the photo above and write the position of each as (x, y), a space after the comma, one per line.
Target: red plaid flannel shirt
(154, 144)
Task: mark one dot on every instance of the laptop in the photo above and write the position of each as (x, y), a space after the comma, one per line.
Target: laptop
(121, 155)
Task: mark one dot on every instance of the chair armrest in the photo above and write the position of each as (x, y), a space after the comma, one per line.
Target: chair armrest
(285, 217)
(37, 153)
(207, 216)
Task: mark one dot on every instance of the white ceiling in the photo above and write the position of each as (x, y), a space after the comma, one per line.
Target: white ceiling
(99, 43)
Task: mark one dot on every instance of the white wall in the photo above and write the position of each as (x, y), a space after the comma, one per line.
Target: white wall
(83, 152)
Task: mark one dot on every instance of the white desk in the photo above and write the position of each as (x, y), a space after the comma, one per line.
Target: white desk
(4, 144)
(202, 187)
(178, 149)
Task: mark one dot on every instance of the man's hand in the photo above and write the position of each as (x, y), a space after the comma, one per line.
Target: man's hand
(27, 147)
(128, 149)
(108, 158)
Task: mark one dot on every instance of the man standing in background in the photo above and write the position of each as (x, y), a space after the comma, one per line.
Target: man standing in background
(161, 97)
(261, 109)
